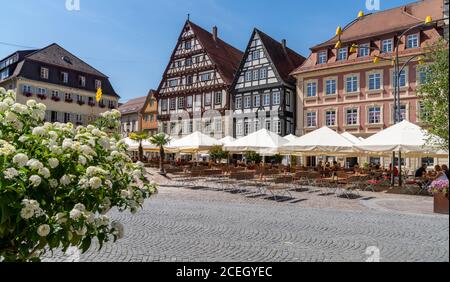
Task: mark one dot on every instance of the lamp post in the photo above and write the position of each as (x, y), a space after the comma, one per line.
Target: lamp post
(399, 67)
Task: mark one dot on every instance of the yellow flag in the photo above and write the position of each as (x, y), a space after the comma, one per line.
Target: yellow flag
(99, 94)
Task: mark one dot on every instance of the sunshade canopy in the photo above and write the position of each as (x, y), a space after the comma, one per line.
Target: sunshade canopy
(193, 143)
(404, 137)
(263, 142)
(323, 140)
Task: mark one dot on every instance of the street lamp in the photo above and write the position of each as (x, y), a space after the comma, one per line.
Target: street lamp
(398, 70)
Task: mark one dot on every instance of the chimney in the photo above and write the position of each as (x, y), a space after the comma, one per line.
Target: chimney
(284, 43)
(214, 33)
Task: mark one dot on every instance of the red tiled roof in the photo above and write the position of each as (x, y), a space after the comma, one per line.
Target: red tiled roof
(380, 23)
(284, 59)
(133, 105)
(225, 56)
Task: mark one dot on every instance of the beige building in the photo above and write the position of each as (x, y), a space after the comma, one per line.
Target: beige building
(64, 83)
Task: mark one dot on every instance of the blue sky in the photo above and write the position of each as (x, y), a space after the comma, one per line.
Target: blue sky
(131, 41)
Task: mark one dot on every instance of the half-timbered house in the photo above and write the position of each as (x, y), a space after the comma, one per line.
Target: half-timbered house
(263, 92)
(193, 94)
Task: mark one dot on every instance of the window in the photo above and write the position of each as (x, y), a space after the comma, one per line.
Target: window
(98, 84)
(374, 115)
(248, 76)
(208, 99)
(4, 74)
(68, 96)
(66, 117)
(322, 58)
(246, 128)
(423, 113)
(330, 86)
(255, 74)
(256, 101)
(402, 113)
(189, 102)
(256, 125)
(164, 104)
(374, 81)
(173, 102)
(276, 98)
(26, 89)
(247, 102)
(238, 103)
(82, 81)
(205, 76)
(218, 98)
(80, 98)
(218, 125)
(256, 55)
(44, 73)
(364, 50)
(412, 41)
(239, 129)
(311, 89)
(352, 117)
(55, 94)
(64, 77)
(187, 45)
(288, 98)
(263, 73)
(351, 84)
(278, 127)
(173, 82)
(266, 99)
(311, 119)
(41, 91)
(178, 64)
(268, 125)
(401, 78)
(180, 103)
(188, 62)
(342, 54)
(189, 80)
(422, 76)
(387, 46)
(330, 118)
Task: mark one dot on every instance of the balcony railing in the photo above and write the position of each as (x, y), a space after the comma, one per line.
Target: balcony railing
(27, 94)
(81, 103)
(68, 100)
(56, 98)
(42, 96)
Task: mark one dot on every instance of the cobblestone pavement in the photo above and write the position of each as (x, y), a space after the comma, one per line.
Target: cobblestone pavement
(193, 225)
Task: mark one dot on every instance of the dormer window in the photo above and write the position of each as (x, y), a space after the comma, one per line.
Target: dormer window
(98, 84)
(82, 81)
(364, 50)
(64, 77)
(342, 54)
(387, 46)
(44, 73)
(412, 41)
(322, 57)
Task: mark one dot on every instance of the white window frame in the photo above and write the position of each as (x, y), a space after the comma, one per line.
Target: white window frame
(387, 46)
(340, 54)
(266, 99)
(375, 73)
(247, 101)
(322, 57)
(238, 103)
(310, 85)
(353, 118)
(330, 84)
(416, 41)
(276, 97)
(380, 114)
(65, 77)
(329, 111)
(352, 77)
(364, 50)
(257, 101)
(263, 73)
(44, 73)
(309, 117)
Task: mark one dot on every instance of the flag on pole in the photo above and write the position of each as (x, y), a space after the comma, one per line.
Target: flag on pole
(99, 94)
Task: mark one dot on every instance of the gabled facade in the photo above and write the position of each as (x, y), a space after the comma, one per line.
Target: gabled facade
(193, 93)
(131, 118)
(149, 114)
(263, 91)
(60, 80)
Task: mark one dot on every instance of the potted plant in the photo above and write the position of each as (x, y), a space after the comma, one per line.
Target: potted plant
(160, 141)
(27, 94)
(69, 100)
(81, 103)
(439, 189)
(56, 98)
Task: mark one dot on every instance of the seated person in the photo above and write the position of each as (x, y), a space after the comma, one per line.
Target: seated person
(421, 172)
(445, 169)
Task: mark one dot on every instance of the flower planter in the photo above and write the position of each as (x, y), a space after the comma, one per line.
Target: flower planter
(440, 203)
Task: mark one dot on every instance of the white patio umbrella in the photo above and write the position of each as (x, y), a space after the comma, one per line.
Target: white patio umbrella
(320, 141)
(263, 142)
(193, 143)
(404, 137)
(227, 140)
(132, 145)
(290, 137)
(350, 137)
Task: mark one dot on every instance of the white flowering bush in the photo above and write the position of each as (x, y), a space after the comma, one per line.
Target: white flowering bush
(58, 182)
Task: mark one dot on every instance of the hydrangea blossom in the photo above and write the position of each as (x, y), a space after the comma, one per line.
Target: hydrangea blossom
(61, 180)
